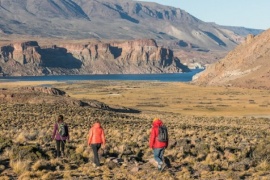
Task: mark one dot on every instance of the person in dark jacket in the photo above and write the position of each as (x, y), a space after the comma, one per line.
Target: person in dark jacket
(157, 146)
(60, 140)
(96, 138)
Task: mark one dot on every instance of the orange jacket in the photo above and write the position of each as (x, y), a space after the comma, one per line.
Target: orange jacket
(96, 135)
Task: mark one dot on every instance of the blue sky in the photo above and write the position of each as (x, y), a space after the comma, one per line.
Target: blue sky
(246, 13)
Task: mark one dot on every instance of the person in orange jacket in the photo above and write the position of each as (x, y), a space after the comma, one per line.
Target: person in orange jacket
(157, 146)
(96, 139)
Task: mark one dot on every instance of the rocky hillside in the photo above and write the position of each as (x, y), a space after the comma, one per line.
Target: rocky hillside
(122, 57)
(248, 65)
(195, 43)
(115, 19)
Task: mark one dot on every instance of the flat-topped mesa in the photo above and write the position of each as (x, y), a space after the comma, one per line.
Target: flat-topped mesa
(74, 48)
(115, 57)
(143, 50)
(140, 43)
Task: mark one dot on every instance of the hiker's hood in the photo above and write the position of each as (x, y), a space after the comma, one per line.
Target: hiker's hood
(96, 125)
(157, 122)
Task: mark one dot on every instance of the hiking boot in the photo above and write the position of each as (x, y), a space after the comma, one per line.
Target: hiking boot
(159, 167)
(163, 167)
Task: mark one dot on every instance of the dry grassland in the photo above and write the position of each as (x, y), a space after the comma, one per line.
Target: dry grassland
(175, 97)
(215, 133)
(15, 84)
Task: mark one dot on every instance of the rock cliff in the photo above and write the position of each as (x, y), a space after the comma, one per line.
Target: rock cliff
(123, 57)
(246, 66)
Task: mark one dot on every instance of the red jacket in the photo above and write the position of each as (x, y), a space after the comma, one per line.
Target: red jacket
(96, 135)
(154, 142)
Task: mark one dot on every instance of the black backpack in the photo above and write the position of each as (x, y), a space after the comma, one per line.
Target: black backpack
(63, 130)
(162, 133)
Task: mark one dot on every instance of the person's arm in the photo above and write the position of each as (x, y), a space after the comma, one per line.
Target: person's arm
(152, 138)
(54, 131)
(90, 136)
(103, 138)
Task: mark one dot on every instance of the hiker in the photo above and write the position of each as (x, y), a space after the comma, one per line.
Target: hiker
(96, 139)
(60, 134)
(158, 144)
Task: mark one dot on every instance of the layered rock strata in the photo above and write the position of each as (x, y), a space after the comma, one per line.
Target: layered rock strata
(127, 57)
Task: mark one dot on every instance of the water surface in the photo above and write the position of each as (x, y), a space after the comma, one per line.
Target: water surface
(172, 77)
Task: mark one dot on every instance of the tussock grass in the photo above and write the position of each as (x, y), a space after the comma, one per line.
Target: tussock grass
(212, 146)
(263, 165)
(19, 166)
(174, 97)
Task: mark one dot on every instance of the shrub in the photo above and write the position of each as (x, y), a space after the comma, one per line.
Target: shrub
(19, 166)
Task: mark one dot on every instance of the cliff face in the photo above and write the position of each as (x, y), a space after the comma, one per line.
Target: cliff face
(128, 57)
(246, 66)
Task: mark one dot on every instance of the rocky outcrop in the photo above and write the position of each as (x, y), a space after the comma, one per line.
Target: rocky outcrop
(52, 96)
(45, 90)
(246, 66)
(24, 52)
(137, 56)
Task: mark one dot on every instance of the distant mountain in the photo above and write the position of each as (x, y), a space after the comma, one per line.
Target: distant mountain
(115, 19)
(194, 42)
(248, 65)
(243, 31)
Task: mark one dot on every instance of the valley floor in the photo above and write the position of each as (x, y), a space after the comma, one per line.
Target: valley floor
(215, 133)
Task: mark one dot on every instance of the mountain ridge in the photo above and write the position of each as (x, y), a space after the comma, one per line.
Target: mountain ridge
(245, 66)
(120, 19)
(194, 42)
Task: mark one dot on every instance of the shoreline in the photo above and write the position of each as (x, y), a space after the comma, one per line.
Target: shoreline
(162, 77)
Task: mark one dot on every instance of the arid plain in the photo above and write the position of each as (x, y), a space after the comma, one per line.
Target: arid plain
(215, 132)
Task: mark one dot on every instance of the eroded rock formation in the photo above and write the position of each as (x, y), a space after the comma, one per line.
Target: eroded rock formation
(127, 57)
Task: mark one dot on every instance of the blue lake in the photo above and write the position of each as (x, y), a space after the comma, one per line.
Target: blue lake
(173, 77)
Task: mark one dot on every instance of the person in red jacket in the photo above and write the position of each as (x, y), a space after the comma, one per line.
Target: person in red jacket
(157, 146)
(96, 139)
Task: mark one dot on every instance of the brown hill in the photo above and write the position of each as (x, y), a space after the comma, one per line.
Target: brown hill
(114, 19)
(195, 42)
(248, 65)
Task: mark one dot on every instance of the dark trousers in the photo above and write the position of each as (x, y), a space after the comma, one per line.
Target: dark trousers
(60, 144)
(95, 148)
